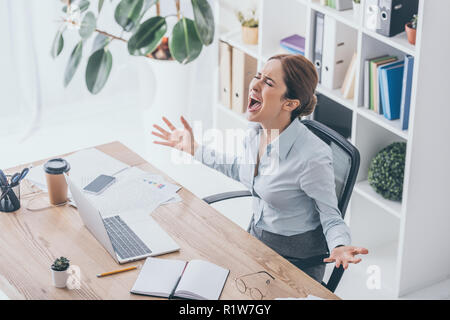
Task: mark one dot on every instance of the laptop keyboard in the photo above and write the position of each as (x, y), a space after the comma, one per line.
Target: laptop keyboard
(125, 242)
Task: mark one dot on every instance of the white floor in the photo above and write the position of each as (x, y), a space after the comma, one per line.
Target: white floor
(115, 122)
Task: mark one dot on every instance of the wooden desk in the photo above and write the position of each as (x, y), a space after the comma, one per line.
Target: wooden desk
(30, 241)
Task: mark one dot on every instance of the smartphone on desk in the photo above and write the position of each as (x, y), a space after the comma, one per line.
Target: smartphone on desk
(99, 184)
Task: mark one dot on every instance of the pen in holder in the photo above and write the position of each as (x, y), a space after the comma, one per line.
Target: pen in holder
(10, 196)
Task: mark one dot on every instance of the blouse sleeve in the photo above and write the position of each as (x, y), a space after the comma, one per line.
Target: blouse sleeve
(221, 162)
(317, 181)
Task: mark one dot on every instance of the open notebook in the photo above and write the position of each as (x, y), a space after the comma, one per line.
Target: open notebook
(196, 279)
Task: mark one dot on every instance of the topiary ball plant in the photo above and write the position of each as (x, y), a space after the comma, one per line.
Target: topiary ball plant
(386, 171)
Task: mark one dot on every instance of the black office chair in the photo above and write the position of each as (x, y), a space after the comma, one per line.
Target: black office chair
(346, 165)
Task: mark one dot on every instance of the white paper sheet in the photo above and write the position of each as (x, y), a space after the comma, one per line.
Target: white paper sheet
(85, 166)
(136, 193)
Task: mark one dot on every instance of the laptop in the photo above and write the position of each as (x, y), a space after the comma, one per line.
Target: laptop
(124, 240)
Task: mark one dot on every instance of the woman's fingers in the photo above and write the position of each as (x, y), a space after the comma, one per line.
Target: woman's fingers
(186, 124)
(159, 135)
(169, 124)
(329, 259)
(355, 261)
(359, 250)
(165, 143)
(164, 132)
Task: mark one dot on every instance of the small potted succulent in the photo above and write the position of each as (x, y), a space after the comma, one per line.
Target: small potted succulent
(59, 272)
(410, 29)
(356, 9)
(249, 23)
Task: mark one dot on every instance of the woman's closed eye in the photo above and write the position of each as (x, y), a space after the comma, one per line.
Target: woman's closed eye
(266, 81)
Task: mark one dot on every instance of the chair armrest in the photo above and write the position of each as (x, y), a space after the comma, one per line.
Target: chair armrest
(227, 195)
(334, 278)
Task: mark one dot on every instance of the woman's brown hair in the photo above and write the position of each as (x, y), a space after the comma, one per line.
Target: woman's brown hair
(300, 77)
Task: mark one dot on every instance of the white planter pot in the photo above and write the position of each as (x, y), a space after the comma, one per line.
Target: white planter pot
(169, 89)
(59, 278)
(357, 11)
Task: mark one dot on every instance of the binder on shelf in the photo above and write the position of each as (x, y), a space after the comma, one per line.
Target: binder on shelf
(243, 69)
(348, 86)
(374, 89)
(371, 15)
(339, 44)
(225, 73)
(406, 91)
(390, 82)
(366, 84)
(394, 14)
(294, 44)
(318, 43)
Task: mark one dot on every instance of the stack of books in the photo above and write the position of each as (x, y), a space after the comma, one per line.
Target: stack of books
(294, 44)
(387, 86)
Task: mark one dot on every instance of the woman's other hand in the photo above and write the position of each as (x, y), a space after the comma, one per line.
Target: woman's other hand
(345, 255)
(181, 139)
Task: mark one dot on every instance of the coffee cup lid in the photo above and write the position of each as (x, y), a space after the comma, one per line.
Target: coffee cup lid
(56, 166)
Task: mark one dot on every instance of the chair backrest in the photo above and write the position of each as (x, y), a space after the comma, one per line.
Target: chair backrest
(346, 165)
(345, 161)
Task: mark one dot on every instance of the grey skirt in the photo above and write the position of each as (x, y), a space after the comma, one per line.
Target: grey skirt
(306, 250)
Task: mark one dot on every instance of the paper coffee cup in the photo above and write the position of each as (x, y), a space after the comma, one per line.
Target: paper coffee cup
(56, 182)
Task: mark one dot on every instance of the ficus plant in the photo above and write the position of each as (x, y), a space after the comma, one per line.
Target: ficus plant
(149, 38)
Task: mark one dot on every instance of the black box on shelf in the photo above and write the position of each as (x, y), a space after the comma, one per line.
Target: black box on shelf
(333, 115)
(394, 14)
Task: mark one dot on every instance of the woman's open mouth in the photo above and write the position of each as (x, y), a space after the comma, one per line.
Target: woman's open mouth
(253, 105)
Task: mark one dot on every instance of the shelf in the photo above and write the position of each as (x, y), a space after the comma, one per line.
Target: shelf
(399, 42)
(394, 126)
(336, 95)
(345, 16)
(234, 39)
(364, 189)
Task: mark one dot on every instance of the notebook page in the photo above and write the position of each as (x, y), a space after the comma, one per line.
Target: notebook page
(202, 280)
(158, 277)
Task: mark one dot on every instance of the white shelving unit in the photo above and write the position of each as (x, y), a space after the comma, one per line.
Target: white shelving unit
(408, 240)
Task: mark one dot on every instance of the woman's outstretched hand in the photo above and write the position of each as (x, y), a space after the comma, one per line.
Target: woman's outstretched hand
(181, 139)
(345, 255)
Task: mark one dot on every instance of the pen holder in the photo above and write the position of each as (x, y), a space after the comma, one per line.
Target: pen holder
(11, 200)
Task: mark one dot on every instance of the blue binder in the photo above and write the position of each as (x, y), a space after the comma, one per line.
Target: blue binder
(406, 92)
(390, 78)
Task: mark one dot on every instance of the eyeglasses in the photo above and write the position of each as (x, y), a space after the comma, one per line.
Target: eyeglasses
(255, 293)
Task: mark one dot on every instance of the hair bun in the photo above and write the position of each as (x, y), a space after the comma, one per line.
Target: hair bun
(309, 108)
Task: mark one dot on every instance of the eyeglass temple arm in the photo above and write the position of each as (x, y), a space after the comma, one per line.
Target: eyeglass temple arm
(266, 273)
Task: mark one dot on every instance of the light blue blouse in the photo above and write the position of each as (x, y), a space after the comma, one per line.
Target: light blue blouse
(294, 190)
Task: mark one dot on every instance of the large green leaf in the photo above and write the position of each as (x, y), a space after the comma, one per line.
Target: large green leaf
(73, 63)
(185, 45)
(204, 20)
(58, 43)
(100, 42)
(147, 36)
(88, 25)
(127, 13)
(97, 70)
